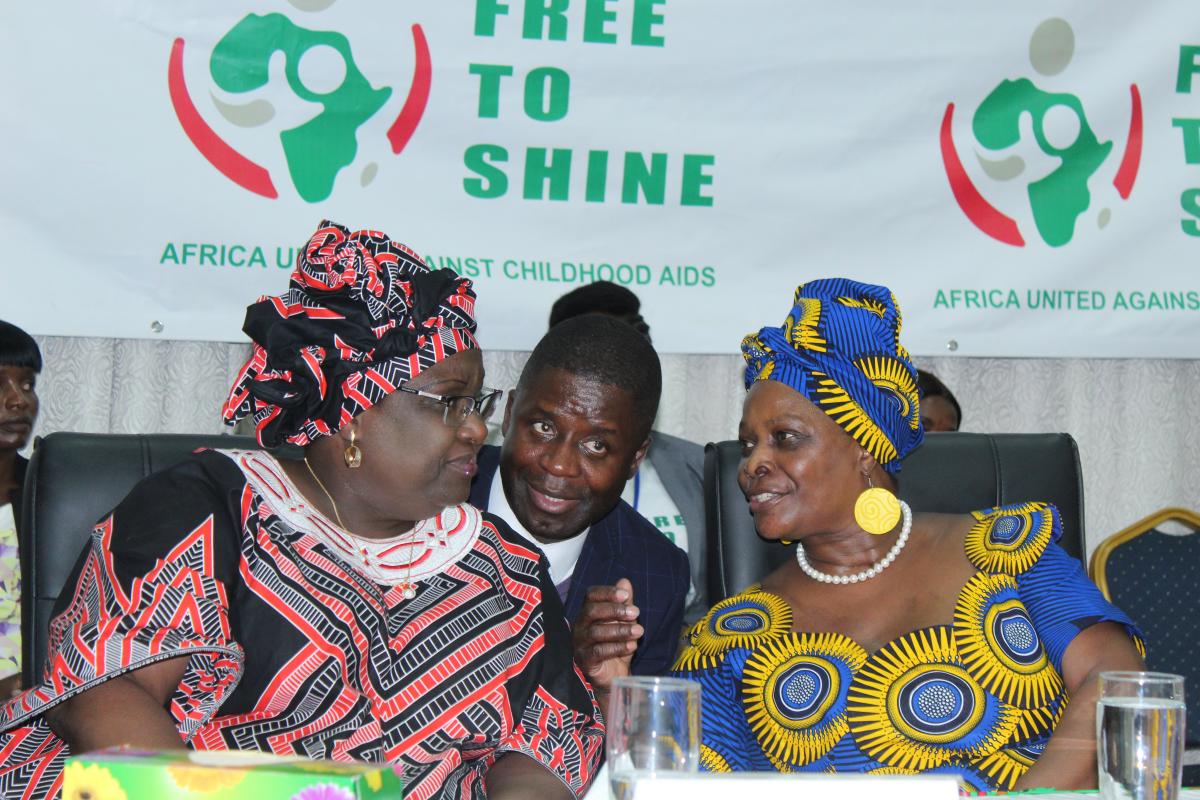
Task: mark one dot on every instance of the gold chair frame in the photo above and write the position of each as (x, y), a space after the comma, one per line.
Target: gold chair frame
(1099, 560)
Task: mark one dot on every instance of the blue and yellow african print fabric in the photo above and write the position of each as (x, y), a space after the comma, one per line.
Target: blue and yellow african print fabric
(840, 348)
(977, 697)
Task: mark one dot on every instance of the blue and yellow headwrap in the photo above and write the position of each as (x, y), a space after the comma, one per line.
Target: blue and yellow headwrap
(840, 348)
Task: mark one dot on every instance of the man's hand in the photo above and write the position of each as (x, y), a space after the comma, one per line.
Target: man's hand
(606, 633)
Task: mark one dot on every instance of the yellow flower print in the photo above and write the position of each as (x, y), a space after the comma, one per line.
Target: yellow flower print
(91, 782)
(204, 780)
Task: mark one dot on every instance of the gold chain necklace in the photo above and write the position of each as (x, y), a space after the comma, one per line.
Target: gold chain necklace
(328, 496)
(408, 589)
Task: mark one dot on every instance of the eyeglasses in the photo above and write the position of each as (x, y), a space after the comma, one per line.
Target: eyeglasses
(457, 407)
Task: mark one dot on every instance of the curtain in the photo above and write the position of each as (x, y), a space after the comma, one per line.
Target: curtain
(1137, 421)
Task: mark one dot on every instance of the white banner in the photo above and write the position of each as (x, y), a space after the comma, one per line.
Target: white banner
(1024, 175)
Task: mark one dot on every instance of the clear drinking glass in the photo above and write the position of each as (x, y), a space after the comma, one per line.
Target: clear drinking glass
(653, 727)
(1139, 735)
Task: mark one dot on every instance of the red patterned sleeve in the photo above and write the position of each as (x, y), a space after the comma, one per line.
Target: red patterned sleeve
(151, 585)
(557, 721)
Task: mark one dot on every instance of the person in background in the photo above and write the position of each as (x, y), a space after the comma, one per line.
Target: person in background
(20, 364)
(346, 605)
(939, 410)
(575, 429)
(668, 487)
(893, 642)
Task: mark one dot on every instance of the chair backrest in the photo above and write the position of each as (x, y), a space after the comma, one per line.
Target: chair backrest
(74, 479)
(950, 472)
(1152, 577)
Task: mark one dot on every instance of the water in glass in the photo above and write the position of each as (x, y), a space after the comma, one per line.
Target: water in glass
(653, 728)
(1140, 732)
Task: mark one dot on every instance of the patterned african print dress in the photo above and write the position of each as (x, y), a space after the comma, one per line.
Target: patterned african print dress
(978, 698)
(294, 650)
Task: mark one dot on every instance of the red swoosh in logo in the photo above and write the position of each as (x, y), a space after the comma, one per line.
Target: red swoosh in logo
(1127, 173)
(418, 94)
(229, 162)
(983, 215)
(255, 178)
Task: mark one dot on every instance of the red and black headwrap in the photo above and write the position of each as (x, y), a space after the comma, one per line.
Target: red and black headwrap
(363, 314)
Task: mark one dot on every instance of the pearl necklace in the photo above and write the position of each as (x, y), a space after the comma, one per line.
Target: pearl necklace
(870, 572)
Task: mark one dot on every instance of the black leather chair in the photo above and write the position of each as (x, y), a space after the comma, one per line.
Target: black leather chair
(950, 472)
(74, 479)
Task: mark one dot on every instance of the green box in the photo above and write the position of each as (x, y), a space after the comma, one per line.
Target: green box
(126, 774)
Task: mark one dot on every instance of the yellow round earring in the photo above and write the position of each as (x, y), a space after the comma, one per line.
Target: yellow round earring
(353, 453)
(876, 510)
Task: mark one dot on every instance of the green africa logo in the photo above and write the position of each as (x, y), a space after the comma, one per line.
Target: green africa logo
(1061, 132)
(318, 149)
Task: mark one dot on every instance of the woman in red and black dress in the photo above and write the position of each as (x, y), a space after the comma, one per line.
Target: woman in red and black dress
(348, 605)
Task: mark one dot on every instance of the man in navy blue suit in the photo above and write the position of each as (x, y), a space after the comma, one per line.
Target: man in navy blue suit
(575, 430)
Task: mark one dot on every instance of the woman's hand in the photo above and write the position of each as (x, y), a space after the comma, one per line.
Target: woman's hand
(10, 687)
(129, 709)
(517, 776)
(605, 636)
(1069, 761)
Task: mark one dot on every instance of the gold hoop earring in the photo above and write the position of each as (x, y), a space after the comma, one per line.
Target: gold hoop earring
(353, 453)
(876, 510)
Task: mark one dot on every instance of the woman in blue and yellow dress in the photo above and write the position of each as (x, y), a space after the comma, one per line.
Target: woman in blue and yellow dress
(894, 642)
